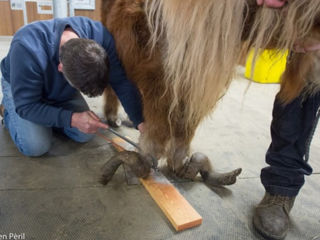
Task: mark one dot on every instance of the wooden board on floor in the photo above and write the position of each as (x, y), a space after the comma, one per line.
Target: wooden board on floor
(176, 208)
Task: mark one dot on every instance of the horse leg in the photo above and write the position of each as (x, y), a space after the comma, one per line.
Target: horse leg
(139, 165)
(111, 104)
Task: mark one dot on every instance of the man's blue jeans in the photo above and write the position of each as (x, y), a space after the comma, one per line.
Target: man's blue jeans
(291, 132)
(30, 138)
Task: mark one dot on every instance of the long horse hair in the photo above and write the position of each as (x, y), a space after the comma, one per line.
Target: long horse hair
(202, 46)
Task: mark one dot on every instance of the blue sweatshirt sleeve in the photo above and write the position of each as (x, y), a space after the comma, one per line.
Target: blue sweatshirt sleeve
(26, 79)
(126, 91)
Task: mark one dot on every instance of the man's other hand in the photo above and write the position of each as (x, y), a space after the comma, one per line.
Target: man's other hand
(87, 122)
(141, 127)
(272, 3)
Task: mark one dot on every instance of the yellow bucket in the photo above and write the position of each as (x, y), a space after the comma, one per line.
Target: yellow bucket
(269, 66)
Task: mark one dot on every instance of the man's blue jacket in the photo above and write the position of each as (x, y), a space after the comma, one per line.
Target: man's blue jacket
(31, 68)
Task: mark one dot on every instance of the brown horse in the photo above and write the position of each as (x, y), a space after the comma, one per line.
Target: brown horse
(182, 54)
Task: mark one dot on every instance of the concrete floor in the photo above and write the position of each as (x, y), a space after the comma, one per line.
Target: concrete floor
(58, 197)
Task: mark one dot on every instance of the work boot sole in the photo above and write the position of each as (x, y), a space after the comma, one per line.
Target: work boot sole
(265, 235)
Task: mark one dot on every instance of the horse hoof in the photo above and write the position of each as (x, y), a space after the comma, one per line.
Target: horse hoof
(221, 179)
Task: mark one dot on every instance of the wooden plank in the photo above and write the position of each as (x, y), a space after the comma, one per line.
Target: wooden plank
(118, 146)
(122, 144)
(176, 208)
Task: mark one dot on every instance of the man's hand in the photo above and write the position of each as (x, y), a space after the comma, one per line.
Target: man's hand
(308, 45)
(141, 127)
(87, 122)
(272, 3)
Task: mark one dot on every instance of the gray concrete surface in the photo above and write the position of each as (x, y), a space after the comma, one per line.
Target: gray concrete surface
(58, 196)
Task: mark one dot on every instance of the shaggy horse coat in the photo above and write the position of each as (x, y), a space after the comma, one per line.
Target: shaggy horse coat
(182, 54)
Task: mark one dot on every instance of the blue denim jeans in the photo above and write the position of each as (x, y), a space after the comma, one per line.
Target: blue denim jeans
(33, 139)
(292, 128)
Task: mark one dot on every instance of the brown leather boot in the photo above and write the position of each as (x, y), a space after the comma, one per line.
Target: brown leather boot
(271, 216)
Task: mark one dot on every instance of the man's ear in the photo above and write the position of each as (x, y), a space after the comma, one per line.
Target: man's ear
(60, 67)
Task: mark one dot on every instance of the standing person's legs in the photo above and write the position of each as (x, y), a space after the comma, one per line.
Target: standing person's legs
(291, 129)
(31, 139)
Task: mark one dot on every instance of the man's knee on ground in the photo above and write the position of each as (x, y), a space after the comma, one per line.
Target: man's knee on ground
(35, 148)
